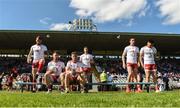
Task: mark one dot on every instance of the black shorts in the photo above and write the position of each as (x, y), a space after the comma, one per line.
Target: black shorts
(56, 79)
(74, 81)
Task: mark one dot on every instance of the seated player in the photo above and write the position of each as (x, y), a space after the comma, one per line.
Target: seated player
(55, 72)
(74, 73)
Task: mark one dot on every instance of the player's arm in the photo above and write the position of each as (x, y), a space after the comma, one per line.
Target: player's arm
(46, 53)
(29, 59)
(141, 55)
(155, 54)
(49, 67)
(92, 61)
(141, 59)
(80, 68)
(48, 72)
(123, 59)
(68, 68)
(1, 76)
(63, 68)
(138, 59)
(80, 58)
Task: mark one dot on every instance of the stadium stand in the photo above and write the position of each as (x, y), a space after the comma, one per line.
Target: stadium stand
(102, 44)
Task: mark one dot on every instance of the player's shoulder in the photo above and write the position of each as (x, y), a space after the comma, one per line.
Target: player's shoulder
(136, 47)
(144, 47)
(79, 63)
(60, 62)
(50, 62)
(43, 45)
(69, 62)
(89, 54)
(127, 47)
(85, 55)
(81, 55)
(153, 47)
(33, 46)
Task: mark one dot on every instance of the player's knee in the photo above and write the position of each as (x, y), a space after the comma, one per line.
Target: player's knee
(41, 61)
(62, 75)
(67, 75)
(154, 75)
(46, 75)
(130, 74)
(148, 76)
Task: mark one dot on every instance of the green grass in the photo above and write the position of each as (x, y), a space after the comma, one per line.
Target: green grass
(101, 99)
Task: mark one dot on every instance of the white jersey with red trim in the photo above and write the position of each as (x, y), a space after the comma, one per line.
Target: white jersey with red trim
(56, 67)
(38, 51)
(85, 59)
(74, 65)
(148, 54)
(132, 54)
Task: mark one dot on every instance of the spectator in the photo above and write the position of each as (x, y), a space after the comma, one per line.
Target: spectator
(103, 79)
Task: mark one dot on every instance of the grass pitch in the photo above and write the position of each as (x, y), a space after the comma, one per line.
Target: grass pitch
(100, 99)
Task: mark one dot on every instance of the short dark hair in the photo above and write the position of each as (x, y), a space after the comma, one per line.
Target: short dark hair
(74, 53)
(39, 37)
(85, 47)
(132, 38)
(151, 41)
(57, 52)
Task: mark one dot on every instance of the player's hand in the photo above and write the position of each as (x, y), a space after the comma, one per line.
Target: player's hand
(142, 65)
(73, 72)
(29, 60)
(79, 70)
(139, 65)
(124, 65)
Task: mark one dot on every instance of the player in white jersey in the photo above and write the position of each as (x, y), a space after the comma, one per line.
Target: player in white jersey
(87, 60)
(147, 59)
(74, 73)
(131, 53)
(38, 50)
(55, 72)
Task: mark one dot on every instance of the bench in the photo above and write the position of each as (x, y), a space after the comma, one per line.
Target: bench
(110, 83)
(21, 84)
(125, 83)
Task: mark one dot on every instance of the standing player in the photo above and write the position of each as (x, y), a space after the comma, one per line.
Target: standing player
(38, 50)
(55, 72)
(131, 53)
(74, 73)
(87, 60)
(148, 54)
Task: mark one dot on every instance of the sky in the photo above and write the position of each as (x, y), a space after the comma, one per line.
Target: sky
(147, 16)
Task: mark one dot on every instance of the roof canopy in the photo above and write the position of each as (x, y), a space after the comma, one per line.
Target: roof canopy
(167, 44)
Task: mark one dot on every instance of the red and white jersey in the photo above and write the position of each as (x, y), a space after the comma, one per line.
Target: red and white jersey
(85, 59)
(56, 67)
(132, 54)
(74, 65)
(148, 54)
(38, 51)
